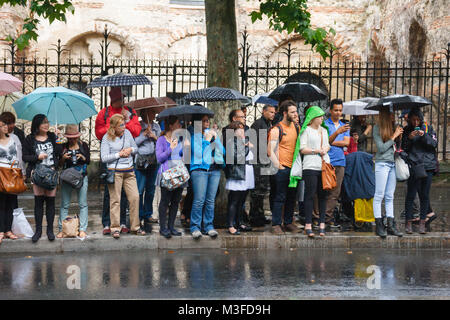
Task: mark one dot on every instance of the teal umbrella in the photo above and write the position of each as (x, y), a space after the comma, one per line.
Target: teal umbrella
(60, 105)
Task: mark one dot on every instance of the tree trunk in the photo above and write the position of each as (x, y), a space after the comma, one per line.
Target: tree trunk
(221, 34)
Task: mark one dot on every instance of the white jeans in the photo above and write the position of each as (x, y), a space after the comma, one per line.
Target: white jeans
(385, 182)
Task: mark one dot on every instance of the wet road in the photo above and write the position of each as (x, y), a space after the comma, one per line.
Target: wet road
(234, 274)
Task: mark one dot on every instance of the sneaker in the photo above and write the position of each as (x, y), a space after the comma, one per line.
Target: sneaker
(106, 231)
(277, 230)
(124, 229)
(213, 233)
(196, 234)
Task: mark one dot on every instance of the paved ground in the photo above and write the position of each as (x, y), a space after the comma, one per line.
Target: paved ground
(229, 274)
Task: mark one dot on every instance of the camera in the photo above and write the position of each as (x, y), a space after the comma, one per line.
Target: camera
(73, 156)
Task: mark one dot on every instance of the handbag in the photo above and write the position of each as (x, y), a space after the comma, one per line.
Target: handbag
(72, 177)
(418, 171)
(401, 169)
(328, 172)
(107, 176)
(44, 176)
(70, 227)
(11, 180)
(144, 161)
(175, 177)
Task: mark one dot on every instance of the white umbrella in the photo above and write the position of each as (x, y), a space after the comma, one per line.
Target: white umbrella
(6, 102)
(356, 107)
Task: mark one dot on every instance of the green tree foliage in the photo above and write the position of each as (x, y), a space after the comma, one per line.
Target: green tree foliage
(50, 10)
(293, 16)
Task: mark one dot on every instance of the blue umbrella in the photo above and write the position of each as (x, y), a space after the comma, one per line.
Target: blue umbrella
(60, 105)
(264, 99)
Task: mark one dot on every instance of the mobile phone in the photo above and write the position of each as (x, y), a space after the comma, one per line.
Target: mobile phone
(417, 128)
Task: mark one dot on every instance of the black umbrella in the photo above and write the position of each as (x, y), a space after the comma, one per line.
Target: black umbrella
(299, 91)
(183, 110)
(119, 80)
(215, 94)
(398, 102)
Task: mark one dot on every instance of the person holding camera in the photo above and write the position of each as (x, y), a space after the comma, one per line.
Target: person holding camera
(75, 154)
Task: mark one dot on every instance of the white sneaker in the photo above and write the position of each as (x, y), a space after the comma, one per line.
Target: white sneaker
(196, 234)
(213, 233)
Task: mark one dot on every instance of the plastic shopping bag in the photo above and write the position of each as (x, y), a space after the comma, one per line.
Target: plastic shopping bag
(364, 210)
(401, 169)
(20, 225)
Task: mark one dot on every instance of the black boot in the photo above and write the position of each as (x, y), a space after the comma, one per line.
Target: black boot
(392, 228)
(38, 215)
(147, 226)
(50, 214)
(380, 229)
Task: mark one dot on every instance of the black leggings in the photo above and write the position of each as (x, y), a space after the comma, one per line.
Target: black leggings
(7, 205)
(236, 200)
(313, 185)
(169, 200)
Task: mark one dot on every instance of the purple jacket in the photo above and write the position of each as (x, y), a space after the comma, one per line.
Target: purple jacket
(164, 153)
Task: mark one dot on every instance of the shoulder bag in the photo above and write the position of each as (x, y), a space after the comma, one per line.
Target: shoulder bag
(11, 180)
(176, 176)
(328, 171)
(107, 177)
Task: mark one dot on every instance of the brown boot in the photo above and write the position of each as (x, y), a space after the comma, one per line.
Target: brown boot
(408, 227)
(290, 228)
(277, 230)
(422, 226)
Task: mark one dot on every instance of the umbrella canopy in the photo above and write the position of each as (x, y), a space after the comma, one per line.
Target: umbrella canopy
(299, 91)
(356, 107)
(185, 110)
(119, 80)
(59, 105)
(156, 104)
(264, 99)
(7, 101)
(215, 94)
(399, 102)
(9, 83)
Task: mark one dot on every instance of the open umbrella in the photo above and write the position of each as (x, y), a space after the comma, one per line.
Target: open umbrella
(356, 107)
(156, 104)
(399, 102)
(9, 83)
(7, 101)
(264, 99)
(58, 104)
(119, 80)
(215, 94)
(299, 91)
(185, 110)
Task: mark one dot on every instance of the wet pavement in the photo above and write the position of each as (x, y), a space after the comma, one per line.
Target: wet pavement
(232, 274)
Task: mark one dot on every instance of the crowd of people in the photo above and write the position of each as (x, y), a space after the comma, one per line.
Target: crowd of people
(138, 155)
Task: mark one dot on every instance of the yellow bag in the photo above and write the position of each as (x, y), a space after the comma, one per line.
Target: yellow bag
(364, 210)
(70, 227)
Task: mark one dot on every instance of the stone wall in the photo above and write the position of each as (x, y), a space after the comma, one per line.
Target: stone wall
(366, 29)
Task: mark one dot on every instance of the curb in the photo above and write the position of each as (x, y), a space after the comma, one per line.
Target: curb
(99, 243)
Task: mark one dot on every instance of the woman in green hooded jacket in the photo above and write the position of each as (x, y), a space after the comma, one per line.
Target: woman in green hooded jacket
(313, 145)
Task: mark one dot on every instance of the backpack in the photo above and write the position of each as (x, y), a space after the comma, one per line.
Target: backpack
(129, 109)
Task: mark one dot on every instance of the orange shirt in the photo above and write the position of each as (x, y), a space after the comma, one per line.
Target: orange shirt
(286, 147)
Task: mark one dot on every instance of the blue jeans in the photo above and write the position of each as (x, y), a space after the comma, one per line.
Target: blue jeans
(282, 195)
(66, 194)
(385, 182)
(146, 182)
(204, 184)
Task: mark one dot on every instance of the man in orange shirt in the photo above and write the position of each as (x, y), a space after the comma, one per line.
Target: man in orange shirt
(282, 140)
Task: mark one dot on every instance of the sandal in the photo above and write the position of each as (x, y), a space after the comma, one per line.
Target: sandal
(116, 234)
(139, 232)
(309, 233)
(60, 235)
(429, 220)
(235, 233)
(322, 232)
(82, 234)
(11, 235)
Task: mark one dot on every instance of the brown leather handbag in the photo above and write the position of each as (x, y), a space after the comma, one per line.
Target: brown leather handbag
(328, 172)
(11, 180)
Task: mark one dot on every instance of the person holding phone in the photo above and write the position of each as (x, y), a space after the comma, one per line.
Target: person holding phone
(419, 142)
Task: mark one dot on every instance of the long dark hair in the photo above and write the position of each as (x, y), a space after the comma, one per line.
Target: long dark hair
(36, 123)
(169, 122)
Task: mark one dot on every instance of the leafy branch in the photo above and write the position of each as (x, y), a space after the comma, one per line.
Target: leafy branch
(293, 16)
(50, 10)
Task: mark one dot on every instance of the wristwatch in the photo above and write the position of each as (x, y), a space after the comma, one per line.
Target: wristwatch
(313, 152)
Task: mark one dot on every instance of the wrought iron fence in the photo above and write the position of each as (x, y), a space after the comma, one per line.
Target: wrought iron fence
(343, 79)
